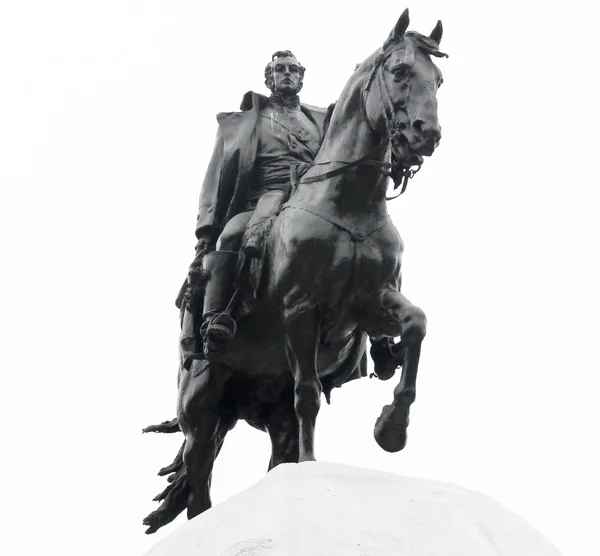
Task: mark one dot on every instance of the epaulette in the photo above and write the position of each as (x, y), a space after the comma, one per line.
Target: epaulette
(314, 108)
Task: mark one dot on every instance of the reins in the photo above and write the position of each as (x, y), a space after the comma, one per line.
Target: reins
(365, 161)
(384, 167)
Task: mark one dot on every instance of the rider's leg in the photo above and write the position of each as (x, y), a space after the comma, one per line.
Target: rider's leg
(258, 226)
(218, 327)
(231, 236)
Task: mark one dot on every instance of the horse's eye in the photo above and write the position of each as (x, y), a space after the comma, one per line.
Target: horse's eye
(400, 72)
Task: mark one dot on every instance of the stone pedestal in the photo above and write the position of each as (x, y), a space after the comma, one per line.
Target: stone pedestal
(325, 509)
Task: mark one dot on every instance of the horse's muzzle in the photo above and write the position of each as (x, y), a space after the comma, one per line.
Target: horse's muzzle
(420, 140)
(426, 146)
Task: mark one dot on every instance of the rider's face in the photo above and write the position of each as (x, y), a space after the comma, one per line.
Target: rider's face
(286, 76)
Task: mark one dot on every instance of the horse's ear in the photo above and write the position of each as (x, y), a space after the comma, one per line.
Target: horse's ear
(437, 32)
(399, 30)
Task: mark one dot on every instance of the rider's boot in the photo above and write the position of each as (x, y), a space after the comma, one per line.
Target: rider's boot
(218, 328)
(260, 223)
(387, 357)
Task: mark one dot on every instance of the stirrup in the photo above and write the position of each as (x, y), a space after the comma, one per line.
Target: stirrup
(217, 331)
(386, 359)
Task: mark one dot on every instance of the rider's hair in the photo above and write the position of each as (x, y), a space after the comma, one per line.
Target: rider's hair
(269, 68)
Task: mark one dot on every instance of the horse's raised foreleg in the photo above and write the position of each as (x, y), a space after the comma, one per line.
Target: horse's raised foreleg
(391, 425)
(399, 317)
(205, 424)
(302, 333)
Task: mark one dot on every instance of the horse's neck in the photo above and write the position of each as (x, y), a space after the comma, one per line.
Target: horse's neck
(346, 139)
(360, 190)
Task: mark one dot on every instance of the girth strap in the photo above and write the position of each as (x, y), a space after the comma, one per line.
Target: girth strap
(357, 233)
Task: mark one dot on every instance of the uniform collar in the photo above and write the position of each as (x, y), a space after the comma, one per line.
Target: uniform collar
(284, 101)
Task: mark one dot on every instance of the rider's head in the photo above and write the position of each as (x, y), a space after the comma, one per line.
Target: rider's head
(284, 74)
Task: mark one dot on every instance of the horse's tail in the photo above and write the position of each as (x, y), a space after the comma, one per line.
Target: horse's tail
(167, 427)
(175, 497)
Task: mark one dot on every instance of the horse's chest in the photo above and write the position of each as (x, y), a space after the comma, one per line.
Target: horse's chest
(375, 265)
(336, 268)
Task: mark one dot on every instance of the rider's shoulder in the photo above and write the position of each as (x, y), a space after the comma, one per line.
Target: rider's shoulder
(317, 113)
(318, 109)
(250, 101)
(253, 101)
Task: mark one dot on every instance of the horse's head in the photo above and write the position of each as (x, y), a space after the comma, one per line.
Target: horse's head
(400, 92)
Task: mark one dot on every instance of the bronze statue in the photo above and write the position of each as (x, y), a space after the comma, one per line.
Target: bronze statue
(281, 310)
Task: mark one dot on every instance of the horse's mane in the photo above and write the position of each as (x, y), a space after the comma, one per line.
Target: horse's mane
(426, 44)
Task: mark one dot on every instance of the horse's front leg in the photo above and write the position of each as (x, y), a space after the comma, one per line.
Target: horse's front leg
(282, 426)
(302, 333)
(399, 317)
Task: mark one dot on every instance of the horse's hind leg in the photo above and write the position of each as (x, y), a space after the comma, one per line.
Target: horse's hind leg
(205, 424)
(397, 316)
(202, 447)
(302, 333)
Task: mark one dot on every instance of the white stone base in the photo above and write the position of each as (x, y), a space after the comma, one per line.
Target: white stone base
(325, 509)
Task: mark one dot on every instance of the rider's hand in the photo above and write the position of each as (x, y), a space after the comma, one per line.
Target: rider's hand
(205, 245)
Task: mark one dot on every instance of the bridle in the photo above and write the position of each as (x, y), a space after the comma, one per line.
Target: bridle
(399, 172)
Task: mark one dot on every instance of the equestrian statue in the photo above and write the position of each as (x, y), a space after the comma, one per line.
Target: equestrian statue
(298, 263)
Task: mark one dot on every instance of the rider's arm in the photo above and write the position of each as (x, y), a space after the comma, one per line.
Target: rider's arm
(210, 211)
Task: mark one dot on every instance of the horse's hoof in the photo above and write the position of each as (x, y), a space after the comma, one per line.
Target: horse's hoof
(390, 428)
(385, 372)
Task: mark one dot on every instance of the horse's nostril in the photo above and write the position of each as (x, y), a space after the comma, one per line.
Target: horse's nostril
(418, 126)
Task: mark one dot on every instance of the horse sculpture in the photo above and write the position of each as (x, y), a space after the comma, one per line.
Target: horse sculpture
(331, 276)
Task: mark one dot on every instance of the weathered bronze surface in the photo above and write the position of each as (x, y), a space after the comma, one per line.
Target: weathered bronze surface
(297, 262)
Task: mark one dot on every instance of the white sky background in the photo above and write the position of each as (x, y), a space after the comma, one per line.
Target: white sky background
(107, 123)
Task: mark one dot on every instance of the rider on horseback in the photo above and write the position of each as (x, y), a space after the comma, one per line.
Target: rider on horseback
(247, 181)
